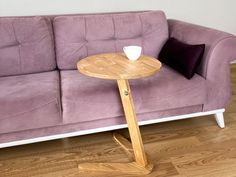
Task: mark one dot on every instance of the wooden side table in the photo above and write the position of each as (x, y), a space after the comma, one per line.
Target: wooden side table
(116, 66)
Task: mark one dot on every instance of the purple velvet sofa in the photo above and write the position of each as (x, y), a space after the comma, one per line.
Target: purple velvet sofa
(44, 97)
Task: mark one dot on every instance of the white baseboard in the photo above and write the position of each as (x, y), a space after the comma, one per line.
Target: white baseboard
(103, 129)
(233, 62)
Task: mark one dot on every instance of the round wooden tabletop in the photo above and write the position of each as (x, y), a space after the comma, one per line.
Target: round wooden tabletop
(117, 66)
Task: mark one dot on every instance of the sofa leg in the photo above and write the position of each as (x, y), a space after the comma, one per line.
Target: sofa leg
(220, 119)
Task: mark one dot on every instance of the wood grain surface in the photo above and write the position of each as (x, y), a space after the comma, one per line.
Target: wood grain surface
(186, 148)
(118, 66)
(134, 131)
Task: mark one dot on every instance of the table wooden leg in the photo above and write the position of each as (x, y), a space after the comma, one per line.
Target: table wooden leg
(124, 143)
(135, 136)
(141, 164)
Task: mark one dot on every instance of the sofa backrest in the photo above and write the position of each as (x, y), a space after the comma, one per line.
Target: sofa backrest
(26, 45)
(79, 36)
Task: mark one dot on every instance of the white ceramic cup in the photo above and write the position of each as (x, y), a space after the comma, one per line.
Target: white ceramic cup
(132, 52)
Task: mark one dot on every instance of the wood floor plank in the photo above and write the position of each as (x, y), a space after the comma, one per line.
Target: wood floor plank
(211, 166)
(171, 147)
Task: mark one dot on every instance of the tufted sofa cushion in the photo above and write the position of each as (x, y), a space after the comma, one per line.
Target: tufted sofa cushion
(83, 35)
(26, 45)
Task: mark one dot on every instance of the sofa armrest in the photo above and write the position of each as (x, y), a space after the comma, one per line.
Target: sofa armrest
(219, 52)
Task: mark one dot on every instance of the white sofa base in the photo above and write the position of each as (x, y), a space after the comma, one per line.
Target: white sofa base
(217, 113)
(220, 119)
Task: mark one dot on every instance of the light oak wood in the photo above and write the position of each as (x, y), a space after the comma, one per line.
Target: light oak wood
(117, 66)
(133, 127)
(124, 143)
(130, 168)
(184, 148)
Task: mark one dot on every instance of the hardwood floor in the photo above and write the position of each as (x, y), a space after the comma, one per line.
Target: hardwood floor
(185, 148)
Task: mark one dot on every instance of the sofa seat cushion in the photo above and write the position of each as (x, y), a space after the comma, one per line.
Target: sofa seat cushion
(29, 101)
(85, 98)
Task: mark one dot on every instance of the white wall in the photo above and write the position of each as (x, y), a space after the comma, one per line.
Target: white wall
(219, 14)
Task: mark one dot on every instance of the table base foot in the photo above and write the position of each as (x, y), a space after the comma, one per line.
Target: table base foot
(128, 168)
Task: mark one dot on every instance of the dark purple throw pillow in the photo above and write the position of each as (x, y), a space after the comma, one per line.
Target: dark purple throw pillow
(182, 57)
